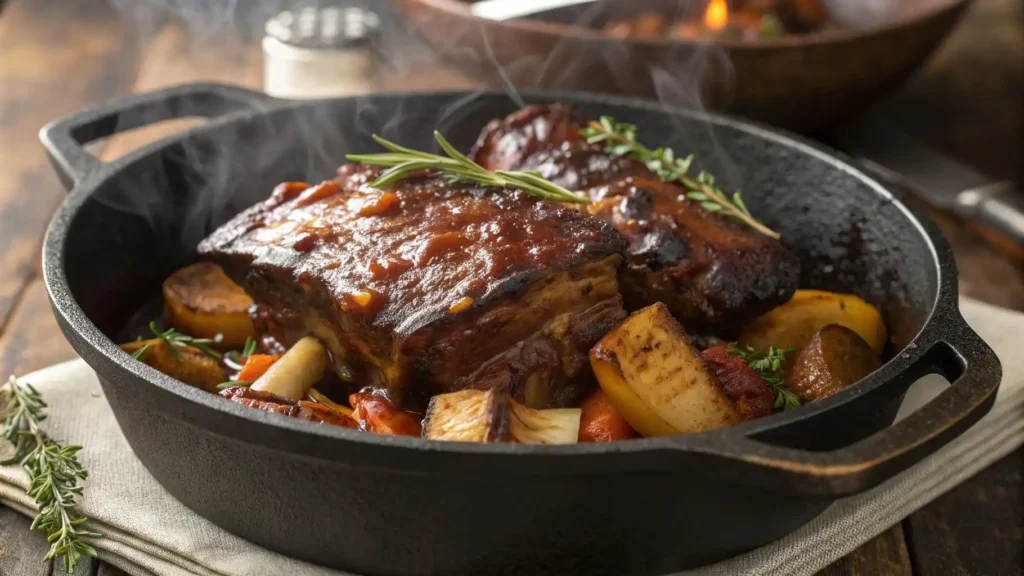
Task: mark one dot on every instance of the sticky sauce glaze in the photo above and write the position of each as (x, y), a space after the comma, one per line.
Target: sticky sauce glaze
(415, 252)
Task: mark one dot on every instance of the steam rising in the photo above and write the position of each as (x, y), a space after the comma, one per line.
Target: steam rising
(308, 146)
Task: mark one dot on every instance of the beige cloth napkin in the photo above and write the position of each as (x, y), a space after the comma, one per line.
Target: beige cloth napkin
(146, 531)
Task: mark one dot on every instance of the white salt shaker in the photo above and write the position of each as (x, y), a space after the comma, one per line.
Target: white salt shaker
(319, 52)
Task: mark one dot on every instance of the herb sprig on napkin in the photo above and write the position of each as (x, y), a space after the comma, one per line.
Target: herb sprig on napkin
(54, 471)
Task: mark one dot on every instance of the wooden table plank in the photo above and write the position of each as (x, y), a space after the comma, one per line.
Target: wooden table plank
(975, 529)
(55, 58)
(32, 339)
(885, 555)
(21, 551)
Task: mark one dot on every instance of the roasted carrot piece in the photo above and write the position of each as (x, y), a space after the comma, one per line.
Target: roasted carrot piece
(255, 366)
(375, 414)
(601, 421)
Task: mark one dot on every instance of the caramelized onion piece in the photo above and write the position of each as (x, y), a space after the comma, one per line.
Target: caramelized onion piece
(488, 416)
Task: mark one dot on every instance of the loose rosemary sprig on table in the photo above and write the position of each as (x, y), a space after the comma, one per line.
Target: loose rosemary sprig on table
(404, 162)
(54, 472)
(621, 140)
(769, 366)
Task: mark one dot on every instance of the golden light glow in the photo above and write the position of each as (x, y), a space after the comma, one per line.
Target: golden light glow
(717, 15)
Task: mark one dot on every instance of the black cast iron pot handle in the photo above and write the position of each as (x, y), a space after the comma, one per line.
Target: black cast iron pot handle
(958, 354)
(64, 138)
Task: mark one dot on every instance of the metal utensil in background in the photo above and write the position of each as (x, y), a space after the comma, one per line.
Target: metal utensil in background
(994, 209)
(509, 9)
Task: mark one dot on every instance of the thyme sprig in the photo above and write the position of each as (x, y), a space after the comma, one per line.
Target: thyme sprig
(54, 471)
(402, 162)
(769, 366)
(620, 140)
(174, 339)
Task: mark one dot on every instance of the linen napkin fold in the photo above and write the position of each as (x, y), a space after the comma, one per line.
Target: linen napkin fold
(147, 532)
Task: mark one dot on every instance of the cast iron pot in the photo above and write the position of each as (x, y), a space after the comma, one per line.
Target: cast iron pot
(397, 505)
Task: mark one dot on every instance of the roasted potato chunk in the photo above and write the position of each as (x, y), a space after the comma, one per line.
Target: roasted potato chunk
(467, 416)
(200, 300)
(191, 365)
(657, 379)
(793, 324)
(835, 358)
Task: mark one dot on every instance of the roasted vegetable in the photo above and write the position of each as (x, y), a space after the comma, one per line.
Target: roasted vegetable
(202, 301)
(375, 414)
(657, 379)
(315, 395)
(556, 426)
(296, 371)
(488, 416)
(269, 402)
(793, 324)
(601, 421)
(190, 365)
(467, 416)
(749, 393)
(835, 358)
(256, 365)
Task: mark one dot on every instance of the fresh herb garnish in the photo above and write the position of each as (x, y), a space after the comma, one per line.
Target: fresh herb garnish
(173, 338)
(232, 383)
(54, 472)
(620, 140)
(141, 352)
(404, 162)
(769, 366)
(239, 358)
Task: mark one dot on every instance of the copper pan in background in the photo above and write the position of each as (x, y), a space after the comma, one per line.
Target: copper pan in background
(804, 83)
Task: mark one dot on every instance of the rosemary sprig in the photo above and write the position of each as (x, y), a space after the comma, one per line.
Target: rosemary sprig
(404, 162)
(55, 474)
(230, 384)
(769, 365)
(173, 338)
(237, 359)
(620, 140)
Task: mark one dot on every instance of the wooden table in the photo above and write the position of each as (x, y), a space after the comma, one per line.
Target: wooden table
(58, 56)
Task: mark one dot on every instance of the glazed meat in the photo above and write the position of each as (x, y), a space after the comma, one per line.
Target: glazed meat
(713, 273)
(415, 289)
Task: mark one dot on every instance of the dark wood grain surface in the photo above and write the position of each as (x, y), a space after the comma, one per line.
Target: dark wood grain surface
(58, 56)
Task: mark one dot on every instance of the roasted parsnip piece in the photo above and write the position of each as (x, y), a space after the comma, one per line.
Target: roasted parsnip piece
(296, 371)
(657, 379)
(202, 301)
(467, 416)
(835, 358)
(190, 365)
(793, 324)
(488, 416)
